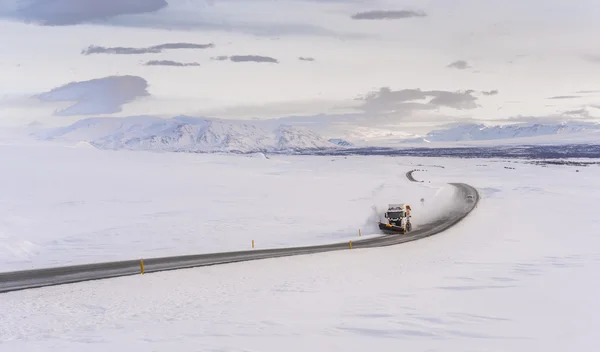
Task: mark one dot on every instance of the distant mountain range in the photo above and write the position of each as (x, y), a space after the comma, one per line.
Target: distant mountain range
(188, 134)
(469, 132)
(481, 132)
(341, 142)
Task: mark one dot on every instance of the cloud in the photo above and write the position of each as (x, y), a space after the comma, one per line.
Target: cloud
(490, 92)
(97, 96)
(460, 65)
(460, 100)
(583, 112)
(407, 100)
(252, 58)
(170, 63)
(247, 58)
(181, 15)
(301, 58)
(592, 58)
(92, 49)
(564, 97)
(387, 15)
(72, 12)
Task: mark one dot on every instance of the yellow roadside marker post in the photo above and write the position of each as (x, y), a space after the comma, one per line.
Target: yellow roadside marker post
(350, 244)
(142, 266)
(252, 243)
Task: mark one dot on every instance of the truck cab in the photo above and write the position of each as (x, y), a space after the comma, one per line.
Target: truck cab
(399, 215)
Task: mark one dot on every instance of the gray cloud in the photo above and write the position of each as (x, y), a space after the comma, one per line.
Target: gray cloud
(252, 58)
(301, 58)
(490, 92)
(247, 58)
(170, 63)
(72, 12)
(582, 114)
(387, 100)
(587, 91)
(247, 27)
(460, 65)
(92, 49)
(159, 14)
(592, 58)
(387, 15)
(577, 112)
(557, 118)
(564, 97)
(460, 100)
(97, 96)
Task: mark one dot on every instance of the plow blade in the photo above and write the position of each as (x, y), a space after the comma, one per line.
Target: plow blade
(390, 228)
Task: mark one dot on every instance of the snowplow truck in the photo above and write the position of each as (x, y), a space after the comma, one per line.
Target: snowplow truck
(398, 219)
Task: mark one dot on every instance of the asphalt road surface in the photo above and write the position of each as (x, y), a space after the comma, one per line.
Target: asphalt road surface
(28, 279)
(410, 177)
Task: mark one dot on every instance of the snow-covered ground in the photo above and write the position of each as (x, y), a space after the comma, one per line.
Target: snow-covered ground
(518, 274)
(75, 204)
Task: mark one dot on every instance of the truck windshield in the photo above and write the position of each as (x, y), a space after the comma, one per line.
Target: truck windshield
(395, 215)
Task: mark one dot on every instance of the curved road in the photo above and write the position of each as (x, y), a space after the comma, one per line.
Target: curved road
(20, 280)
(409, 176)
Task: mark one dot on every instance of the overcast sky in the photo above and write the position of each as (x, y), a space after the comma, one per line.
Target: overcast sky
(391, 61)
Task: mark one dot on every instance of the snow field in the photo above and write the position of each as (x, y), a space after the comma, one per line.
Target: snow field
(64, 205)
(508, 277)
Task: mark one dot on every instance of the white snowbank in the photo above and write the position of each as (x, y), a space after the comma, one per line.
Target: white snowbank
(83, 144)
(80, 205)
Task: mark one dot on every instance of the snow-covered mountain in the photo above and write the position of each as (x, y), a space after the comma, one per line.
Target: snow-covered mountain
(341, 142)
(481, 132)
(188, 134)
